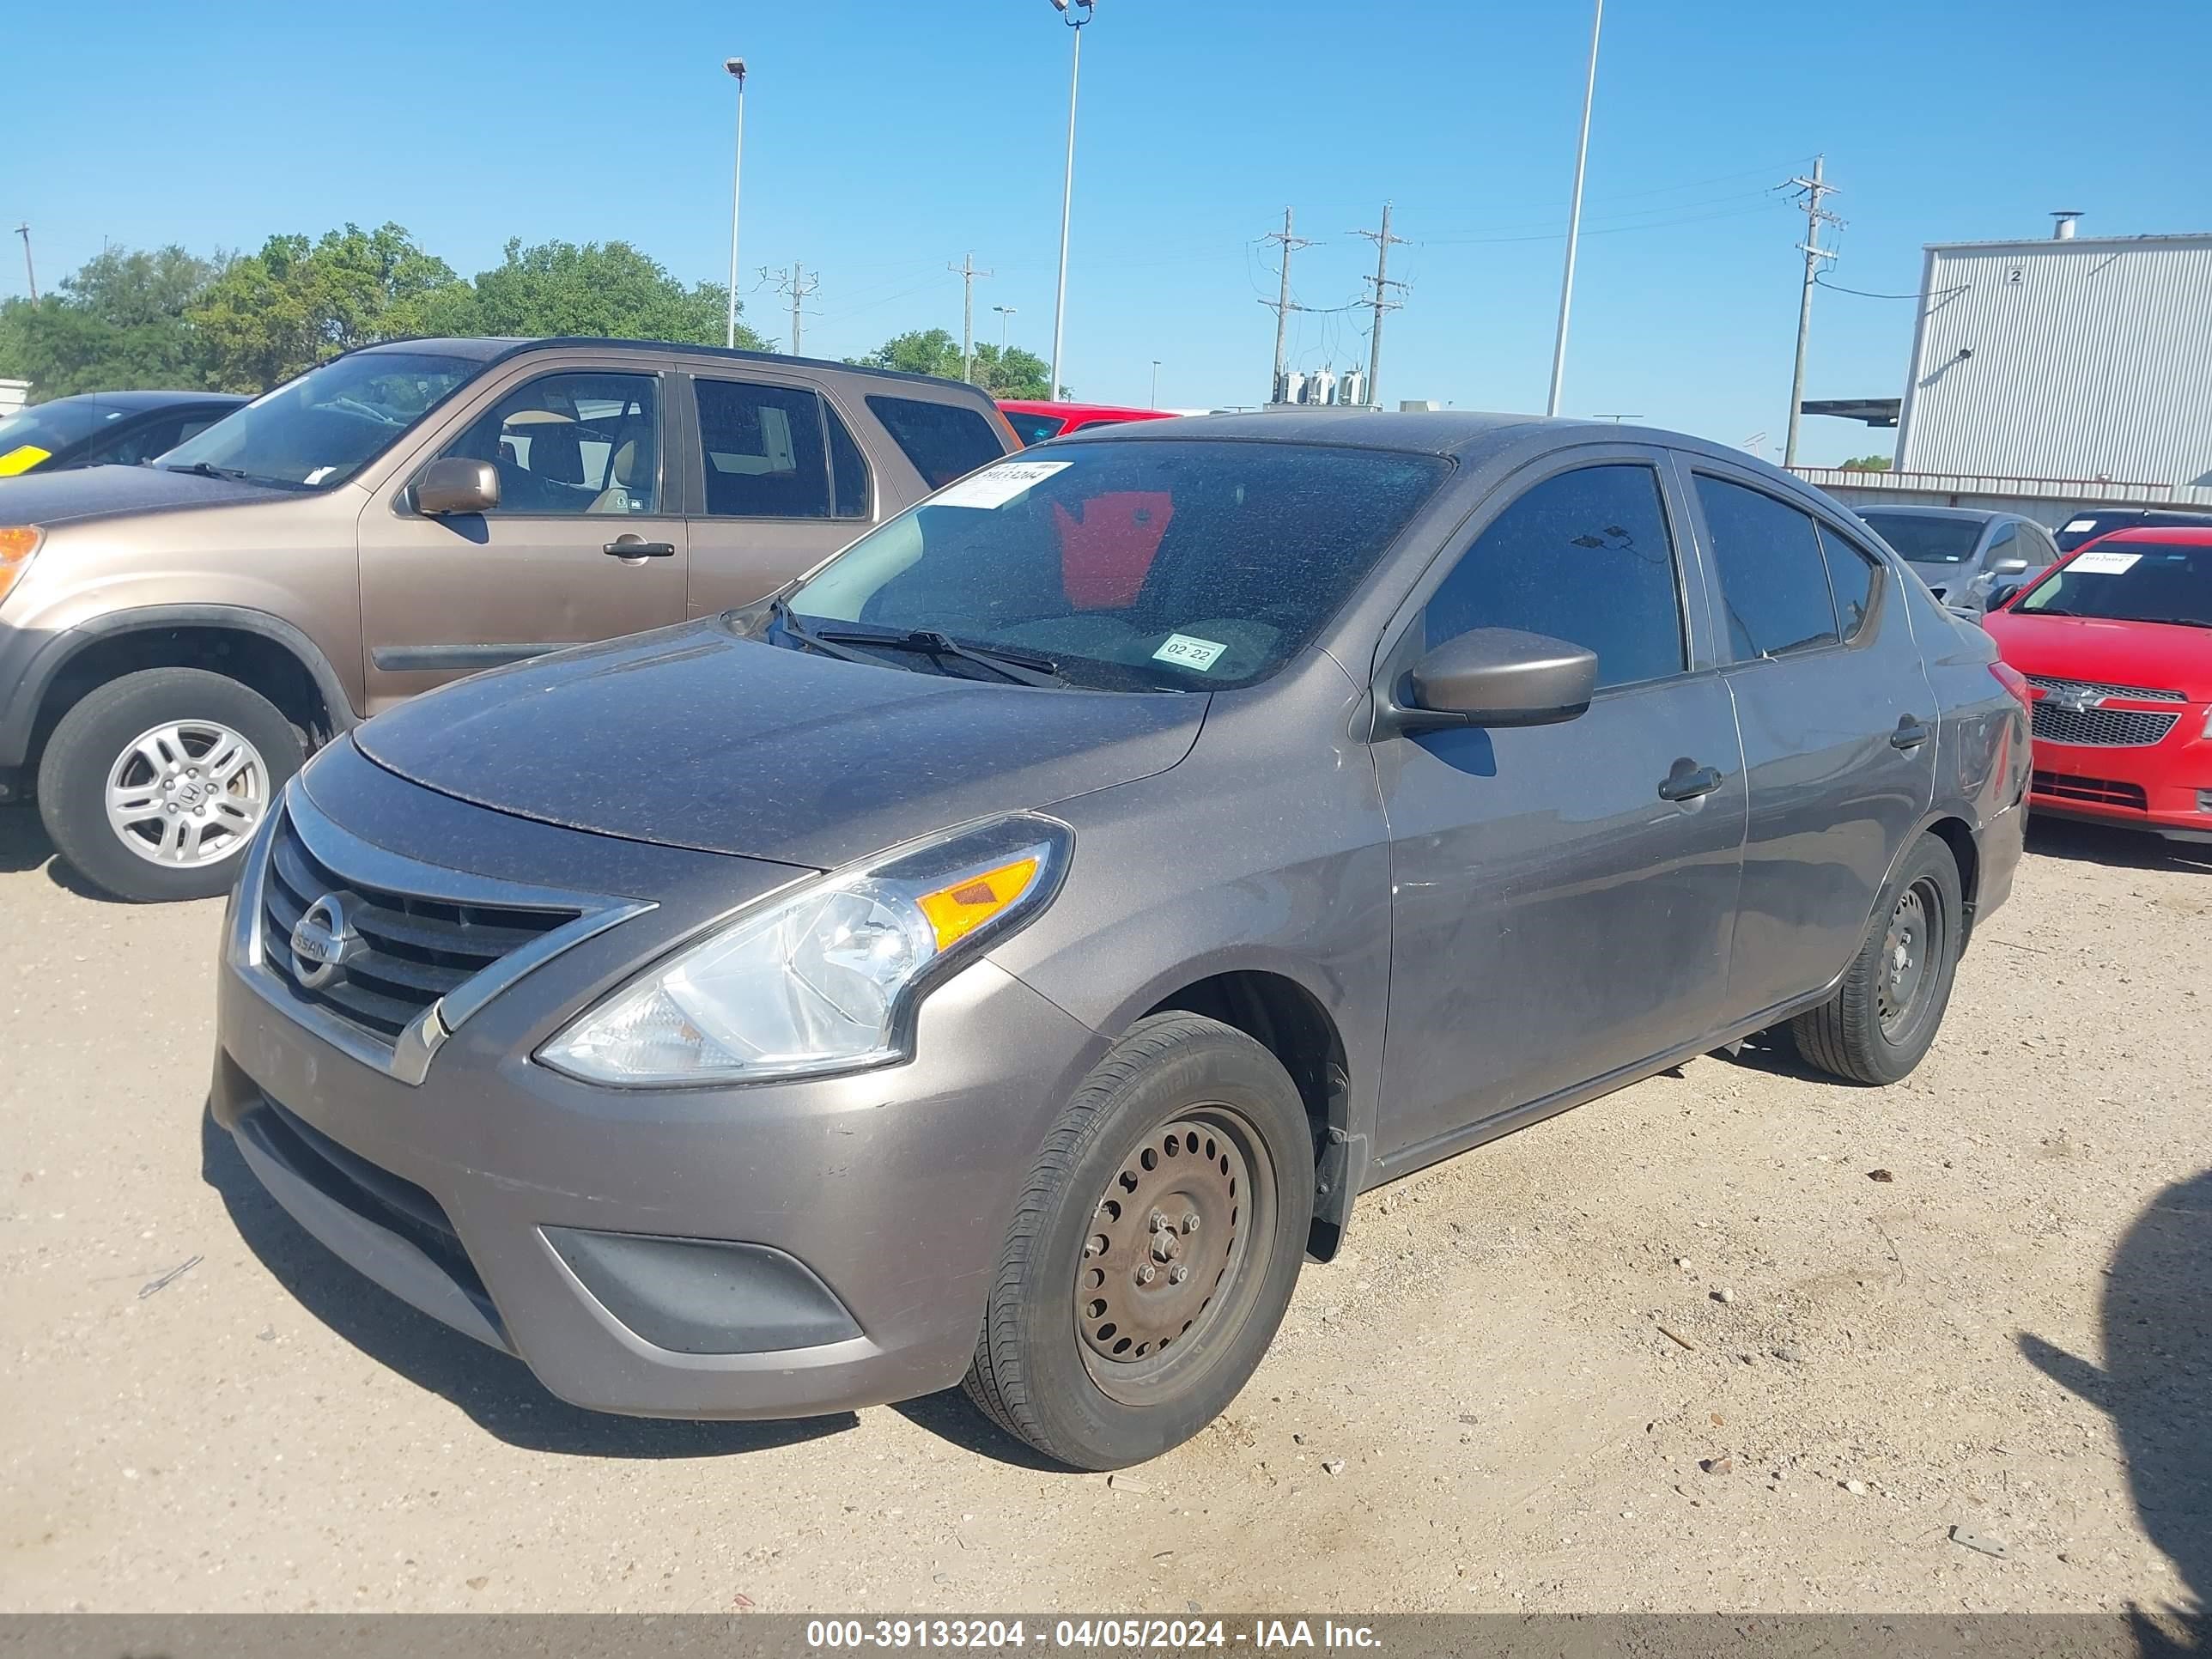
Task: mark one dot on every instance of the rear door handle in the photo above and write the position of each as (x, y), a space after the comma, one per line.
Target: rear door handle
(630, 547)
(1687, 782)
(1910, 734)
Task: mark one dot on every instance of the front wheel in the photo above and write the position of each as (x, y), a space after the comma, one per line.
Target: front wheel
(1153, 1250)
(1884, 1017)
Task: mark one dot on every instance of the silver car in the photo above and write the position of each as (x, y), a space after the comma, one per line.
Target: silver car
(1007, 953)
(1972, 558)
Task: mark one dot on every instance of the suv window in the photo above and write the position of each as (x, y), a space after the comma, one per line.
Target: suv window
(2002, 545)
(573, 443)
(1774, 581)
(1852, 577)
(944, 440)
(1584, 557)
(848, 469)
(766, 457)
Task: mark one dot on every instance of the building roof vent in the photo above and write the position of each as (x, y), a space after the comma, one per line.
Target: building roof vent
(2062, 224)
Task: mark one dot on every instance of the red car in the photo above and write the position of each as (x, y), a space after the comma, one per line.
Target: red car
(1034, 420)
(2116, 643)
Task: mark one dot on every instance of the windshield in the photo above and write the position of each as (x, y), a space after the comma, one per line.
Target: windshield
(2129, 581)
(43, 430)
(1033, 428)
(1927, 541)
(1170, 565)
(320, 430)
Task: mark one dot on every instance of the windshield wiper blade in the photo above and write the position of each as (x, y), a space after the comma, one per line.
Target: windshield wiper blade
(200, 469)
(1019, 667)
(787, 619)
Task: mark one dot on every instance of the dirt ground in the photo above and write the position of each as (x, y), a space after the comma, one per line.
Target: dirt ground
(1478, 1407)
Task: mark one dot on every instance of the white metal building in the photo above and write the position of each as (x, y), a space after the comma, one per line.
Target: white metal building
(2078, 359)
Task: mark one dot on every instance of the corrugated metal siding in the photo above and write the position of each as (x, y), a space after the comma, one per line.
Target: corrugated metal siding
(2090, 359)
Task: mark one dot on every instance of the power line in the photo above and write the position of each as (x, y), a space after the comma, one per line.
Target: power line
(1380, 301)
(1810, 192)
(1282, 305)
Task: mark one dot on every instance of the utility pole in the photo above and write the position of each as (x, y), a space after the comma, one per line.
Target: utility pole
(798, 286)
(1283, 308)
(967, 272)
(1809, 192)
(1382, 302)
(30, 275)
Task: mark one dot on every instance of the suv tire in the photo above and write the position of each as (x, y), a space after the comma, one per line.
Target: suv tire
(127, 800)
(1182, 1172)
(1885, 1015)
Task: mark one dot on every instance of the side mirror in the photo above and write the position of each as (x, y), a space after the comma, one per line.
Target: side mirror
(1496, 677)
(2014, 565)
(454, 484)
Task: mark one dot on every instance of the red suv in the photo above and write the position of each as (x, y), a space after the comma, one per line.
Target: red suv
(1034, 420)
(2116, 641)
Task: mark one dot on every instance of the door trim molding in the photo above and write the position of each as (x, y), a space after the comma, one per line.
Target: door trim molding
(453, 659)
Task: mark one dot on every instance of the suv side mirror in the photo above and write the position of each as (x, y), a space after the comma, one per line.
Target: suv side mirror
(1496, 677)
(456, 484)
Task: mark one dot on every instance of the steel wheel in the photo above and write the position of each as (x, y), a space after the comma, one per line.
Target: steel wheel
(1912, 948)
(187, 794)
(1168, 1256)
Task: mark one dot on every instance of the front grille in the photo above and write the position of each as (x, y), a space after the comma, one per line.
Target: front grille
(2098, 689)
(416, 950)
(2102, 728)
(2104, 792)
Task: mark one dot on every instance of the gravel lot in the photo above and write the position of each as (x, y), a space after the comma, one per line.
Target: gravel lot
(2009, 1333)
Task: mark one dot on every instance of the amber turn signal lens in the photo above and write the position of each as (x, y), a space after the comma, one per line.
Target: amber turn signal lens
(17, 543)
(959, 909)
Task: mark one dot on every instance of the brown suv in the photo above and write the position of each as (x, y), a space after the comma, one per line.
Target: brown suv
(175, 638)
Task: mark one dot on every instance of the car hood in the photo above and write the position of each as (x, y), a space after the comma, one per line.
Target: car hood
(2153, 655)
(109, 492)
(698, 737)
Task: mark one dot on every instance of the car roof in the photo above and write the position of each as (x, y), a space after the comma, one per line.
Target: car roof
(2186, 535)
(496, 348)
(137, 400)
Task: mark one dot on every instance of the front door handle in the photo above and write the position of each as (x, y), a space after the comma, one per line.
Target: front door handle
(1688, 780)
(631, 547)
(1910, 734)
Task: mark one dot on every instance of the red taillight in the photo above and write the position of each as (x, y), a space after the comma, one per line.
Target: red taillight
(2013, 682)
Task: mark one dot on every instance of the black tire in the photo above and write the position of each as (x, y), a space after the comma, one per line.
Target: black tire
(1869, 1032)
(97, 734)
(1043, 1371)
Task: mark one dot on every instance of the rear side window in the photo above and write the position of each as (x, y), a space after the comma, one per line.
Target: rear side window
(1585, 557)
(1774, 579)
(764, 451)
(1851, 578)
(945, 441)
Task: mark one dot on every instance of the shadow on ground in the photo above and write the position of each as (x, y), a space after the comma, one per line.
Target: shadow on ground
(499, 1392)
(2156, 1383)
(2114, 848)
(23, 843)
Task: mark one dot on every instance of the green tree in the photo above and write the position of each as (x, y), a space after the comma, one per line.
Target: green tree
(1867, 464)
(272, 314)
(603, 289)
(1011, 374)
(119, 323)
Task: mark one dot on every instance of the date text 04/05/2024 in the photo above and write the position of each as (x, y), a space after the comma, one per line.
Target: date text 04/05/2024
(833, 1635)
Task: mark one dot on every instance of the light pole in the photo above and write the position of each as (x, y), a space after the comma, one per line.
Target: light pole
(1075, 14)
(1156, 383)
(1574, 215)
(735, 66)
(1004, 312)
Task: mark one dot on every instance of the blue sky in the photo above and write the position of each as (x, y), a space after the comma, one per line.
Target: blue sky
(885, 140)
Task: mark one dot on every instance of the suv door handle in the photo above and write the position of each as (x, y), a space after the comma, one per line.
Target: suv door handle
(1910, 734)
(1687, 782)
(630, 547)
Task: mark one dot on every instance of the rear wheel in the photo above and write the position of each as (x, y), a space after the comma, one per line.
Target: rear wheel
(1885, 1015)
(1154, 1250)
(152, 785)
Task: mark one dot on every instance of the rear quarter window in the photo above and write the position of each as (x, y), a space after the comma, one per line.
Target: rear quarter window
(945, 441)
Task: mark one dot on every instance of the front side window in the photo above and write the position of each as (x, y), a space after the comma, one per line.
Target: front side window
(2005, 545)
(2129, 581)
(571, 443)
(318, 431)
(945, 441)
(1774, 579)
(1585, 557)
(1168, 565)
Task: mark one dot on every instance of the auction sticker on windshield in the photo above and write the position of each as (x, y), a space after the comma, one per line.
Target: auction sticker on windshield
(22, 458)
(2105, 564)
(995, 486)
(1188, 651)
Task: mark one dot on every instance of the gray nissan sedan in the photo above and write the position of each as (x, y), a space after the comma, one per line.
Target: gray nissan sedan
(1008, 952)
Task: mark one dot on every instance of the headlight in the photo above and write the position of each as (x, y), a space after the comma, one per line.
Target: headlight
(18, 542)
(823, 977)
